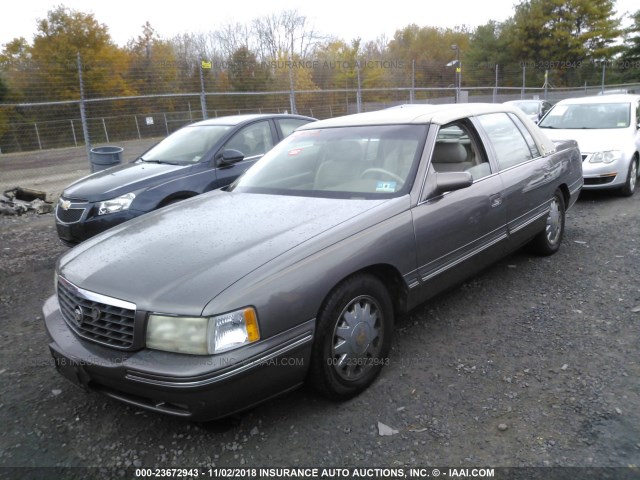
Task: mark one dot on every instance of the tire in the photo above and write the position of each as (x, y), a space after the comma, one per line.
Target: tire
(632, 178)
(353, 337)
(548, 241)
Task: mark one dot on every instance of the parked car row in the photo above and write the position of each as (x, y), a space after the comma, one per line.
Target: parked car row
(607, 129)
(297, 270)
(195, 159)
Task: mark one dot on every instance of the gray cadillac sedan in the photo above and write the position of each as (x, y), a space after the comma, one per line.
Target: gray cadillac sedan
(297, 272)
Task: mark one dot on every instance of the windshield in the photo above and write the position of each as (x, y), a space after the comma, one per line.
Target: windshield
(187, 145)
(345, 162)
(588, 116)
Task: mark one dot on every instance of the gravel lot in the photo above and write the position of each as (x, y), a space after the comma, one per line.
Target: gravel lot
(532, 363)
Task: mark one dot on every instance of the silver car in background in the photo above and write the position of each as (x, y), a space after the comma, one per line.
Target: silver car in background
(297, 272)
(535, 109)
(607, 129)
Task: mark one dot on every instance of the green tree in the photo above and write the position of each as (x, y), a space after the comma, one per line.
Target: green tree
(430, 49)
(490, 45)
(630, 58)
(560, 35)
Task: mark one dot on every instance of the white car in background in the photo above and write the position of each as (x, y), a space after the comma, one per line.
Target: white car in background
(607, 129)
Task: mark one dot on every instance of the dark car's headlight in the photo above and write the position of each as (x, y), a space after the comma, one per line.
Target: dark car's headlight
(117, 204)
(606, 157)
(203, 335)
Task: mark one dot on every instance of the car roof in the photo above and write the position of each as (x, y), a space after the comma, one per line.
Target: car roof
(524, 100)
(431, 114)
(417, 114)
(238, 119)
(617, 98)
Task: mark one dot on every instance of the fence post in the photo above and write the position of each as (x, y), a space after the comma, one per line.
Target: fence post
(412, 92)
(359, 91)
(73, 131)
(135, 117)
(83, 113)
(104, 126)
(524, 74)
(495, 89)
(604, 70)
(38, 136)
(203, 97)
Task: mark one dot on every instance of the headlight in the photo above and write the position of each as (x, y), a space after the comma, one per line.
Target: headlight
(203, 335)
(116, 204)
(606, 157)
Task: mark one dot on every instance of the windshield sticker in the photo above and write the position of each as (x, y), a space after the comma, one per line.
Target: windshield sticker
(294, 152)
(306, 133)
(386, 187)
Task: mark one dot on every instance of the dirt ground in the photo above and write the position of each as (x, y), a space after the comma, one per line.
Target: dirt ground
(535, 362)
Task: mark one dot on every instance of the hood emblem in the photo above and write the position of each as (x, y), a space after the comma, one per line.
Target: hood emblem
(78, 315)
(65, 204)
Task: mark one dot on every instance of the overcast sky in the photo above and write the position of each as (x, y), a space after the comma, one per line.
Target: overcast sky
(345, 19)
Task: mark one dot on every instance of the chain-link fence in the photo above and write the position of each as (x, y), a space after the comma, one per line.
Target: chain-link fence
(186, 93)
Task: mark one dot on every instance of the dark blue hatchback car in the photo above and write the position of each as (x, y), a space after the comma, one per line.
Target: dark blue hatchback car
(195, 159)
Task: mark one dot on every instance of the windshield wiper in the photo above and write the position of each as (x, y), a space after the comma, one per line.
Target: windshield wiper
(159, 161)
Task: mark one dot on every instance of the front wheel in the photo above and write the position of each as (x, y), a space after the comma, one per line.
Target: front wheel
(548, 241)
(353, 336)
(632, 177)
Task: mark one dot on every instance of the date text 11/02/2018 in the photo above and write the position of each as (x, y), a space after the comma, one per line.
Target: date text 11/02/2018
(370, 473)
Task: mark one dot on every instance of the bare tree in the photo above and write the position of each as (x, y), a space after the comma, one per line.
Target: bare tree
(231, 37)
(286, 32)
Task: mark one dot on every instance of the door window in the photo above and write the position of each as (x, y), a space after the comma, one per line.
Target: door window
(509, 145)
(253, 140)
(457, 150)
(288, 125)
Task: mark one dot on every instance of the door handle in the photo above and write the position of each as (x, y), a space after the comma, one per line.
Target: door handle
(495, 200)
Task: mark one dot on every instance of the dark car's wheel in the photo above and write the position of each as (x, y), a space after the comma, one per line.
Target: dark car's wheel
(632, 177)
(353, 336)
(548, 241)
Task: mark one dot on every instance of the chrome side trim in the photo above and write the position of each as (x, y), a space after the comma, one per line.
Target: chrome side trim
(529, 221)
(457, 261)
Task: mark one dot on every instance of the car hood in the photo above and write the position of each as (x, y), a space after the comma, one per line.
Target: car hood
(591, 141)
(177, 259)
(116, 181)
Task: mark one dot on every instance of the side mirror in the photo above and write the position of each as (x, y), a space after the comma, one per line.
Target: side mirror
(231, 156)
(451, 181)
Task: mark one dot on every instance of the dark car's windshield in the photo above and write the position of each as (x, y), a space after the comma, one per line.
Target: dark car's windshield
(362, 162)
(588, 116)
(187, 145)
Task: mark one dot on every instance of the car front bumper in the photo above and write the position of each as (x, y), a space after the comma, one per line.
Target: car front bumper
(194, 387)
(74, 228)
(604, 175)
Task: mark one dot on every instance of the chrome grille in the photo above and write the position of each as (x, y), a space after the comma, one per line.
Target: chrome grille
(96, 317)
(70, 215)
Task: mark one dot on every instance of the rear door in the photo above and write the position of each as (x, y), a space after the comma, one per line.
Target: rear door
(527, 176)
